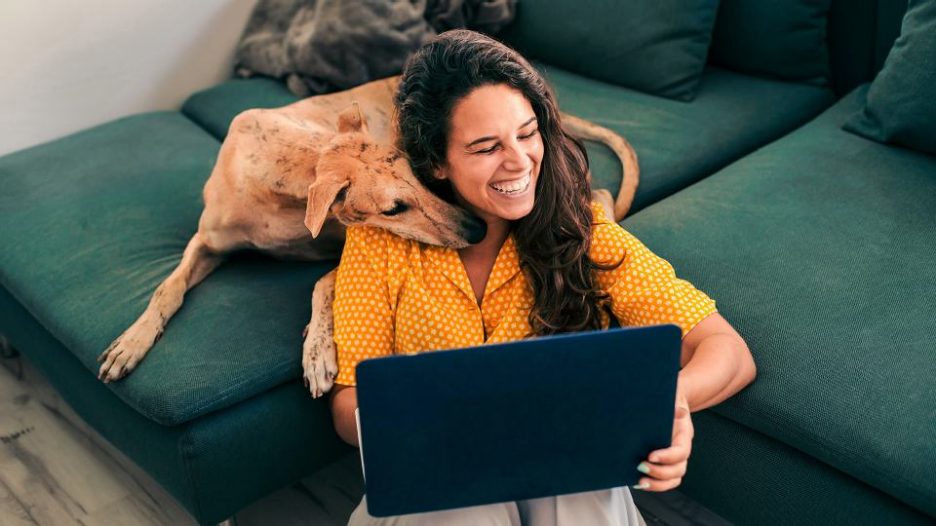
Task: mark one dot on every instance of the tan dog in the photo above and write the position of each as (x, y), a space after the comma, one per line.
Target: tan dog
(282, 173)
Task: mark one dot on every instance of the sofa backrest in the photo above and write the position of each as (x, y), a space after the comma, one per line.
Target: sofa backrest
(861, 33)
(784, 39)
(777, 39)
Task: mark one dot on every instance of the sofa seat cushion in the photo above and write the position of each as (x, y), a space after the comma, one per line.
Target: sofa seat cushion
(677, 143)
(819, 249)
(93, 222)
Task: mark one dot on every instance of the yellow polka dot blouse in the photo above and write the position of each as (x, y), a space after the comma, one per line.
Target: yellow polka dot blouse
(397, 296)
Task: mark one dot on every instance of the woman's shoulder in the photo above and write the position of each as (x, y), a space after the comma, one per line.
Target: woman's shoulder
(599, 214)
(376, 242)
(609, 240)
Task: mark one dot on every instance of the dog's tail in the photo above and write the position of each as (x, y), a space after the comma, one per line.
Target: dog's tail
(630, 178)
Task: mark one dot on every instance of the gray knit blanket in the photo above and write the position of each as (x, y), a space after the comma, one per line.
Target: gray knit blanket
(320, 46)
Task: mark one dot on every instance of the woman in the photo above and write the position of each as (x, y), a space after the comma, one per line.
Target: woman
(482, 129)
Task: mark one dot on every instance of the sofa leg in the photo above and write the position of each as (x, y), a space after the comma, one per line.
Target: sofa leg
(230, 521)
(10, 358)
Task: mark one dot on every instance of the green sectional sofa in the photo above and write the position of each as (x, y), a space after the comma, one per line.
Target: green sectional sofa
(817, 244)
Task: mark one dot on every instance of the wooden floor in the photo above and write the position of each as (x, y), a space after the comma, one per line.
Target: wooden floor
(55, 469)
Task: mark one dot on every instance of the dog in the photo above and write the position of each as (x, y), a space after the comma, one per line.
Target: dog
(284, 173)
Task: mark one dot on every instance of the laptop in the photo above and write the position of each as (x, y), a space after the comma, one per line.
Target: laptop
(532, 418)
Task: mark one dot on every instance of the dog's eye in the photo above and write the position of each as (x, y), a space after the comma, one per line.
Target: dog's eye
(398, 208)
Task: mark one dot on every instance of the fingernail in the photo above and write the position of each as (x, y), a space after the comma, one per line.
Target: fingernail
(641, 486)
(643, 468)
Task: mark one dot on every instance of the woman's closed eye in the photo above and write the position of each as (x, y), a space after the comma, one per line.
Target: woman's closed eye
(520, 137)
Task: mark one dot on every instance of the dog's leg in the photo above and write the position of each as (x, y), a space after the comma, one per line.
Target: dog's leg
(319, 360)
(129, 348)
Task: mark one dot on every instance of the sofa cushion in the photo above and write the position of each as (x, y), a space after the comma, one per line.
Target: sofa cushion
(783, 39)
(678, 143)
(747, 477)
(657, 47)
(99, 218)
(901, 104)
(819, 249)
(214, 108)
(860, 34)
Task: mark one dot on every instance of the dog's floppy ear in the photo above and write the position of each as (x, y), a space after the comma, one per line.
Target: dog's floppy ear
(351, 119)
(322, 194)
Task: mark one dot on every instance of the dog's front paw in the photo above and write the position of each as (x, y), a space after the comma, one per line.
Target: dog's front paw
(319, 362)
(124, 353)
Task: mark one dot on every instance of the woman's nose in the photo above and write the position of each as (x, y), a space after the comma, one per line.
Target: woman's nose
(515, 156)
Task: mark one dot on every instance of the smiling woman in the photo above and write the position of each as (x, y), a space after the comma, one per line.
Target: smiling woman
(482, 129)
(494, 173)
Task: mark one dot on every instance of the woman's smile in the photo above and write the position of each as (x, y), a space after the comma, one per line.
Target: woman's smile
(514, 187)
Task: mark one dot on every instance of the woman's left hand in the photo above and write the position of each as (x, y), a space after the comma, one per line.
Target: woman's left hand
(665, 468)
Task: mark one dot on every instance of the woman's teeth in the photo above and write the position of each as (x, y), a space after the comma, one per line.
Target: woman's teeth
(512, 187)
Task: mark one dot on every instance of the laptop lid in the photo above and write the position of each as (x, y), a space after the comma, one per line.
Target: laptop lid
(525, 419)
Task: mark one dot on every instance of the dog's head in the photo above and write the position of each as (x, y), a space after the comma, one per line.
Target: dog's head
(363, 182)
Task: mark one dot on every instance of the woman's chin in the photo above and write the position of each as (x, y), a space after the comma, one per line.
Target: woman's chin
(511, 207)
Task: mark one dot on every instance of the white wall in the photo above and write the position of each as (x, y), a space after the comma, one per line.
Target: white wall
(66, 65)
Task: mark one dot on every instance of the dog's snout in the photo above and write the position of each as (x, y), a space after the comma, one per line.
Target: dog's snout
(473, 229)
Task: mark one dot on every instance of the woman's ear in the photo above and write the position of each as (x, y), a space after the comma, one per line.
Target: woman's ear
(440, 173)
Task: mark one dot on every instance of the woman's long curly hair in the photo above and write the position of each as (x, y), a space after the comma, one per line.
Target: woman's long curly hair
(553, 239)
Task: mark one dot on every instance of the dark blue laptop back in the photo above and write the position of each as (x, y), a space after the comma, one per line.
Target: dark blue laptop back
(526, 419)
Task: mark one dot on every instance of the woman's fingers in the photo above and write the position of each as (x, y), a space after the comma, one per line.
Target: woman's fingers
(666, 467)
(670, 455)
(649, 484)
(663, 471)
(678, 452)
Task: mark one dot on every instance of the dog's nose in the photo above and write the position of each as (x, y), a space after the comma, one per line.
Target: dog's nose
(473, 229)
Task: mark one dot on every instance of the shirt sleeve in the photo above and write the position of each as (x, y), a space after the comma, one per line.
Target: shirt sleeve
(363, 316)
(644, 289)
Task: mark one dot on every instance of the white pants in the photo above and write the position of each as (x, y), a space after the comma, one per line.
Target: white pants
(609, 507)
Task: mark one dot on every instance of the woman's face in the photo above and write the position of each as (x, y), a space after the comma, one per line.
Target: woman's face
(494, 153)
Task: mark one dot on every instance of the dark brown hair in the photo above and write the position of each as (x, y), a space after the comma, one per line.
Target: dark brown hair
(553, 239)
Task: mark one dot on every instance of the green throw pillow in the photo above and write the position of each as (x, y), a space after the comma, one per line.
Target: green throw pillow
(783, 39)
(900, 107)
(657, 46)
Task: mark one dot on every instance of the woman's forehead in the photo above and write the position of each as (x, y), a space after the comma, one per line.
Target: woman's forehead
(489, 110)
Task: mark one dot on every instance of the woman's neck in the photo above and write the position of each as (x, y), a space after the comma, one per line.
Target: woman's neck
(479, 258)
(497, 232)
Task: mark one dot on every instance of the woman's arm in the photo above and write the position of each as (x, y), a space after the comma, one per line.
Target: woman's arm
(716, 363)
(343, 402)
